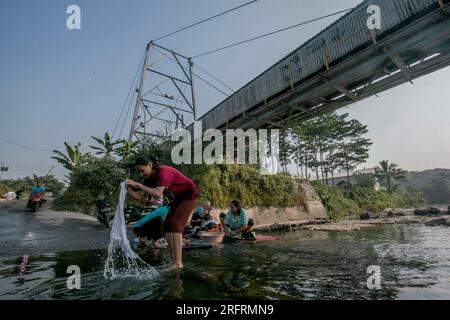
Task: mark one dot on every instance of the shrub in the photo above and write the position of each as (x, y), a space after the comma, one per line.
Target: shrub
(3, 189)
(335, 202)
(99, 176)
(339, 204)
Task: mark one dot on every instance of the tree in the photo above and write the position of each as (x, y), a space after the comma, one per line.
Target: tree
(388, 172)
(329, 143)
(52, 184)
(73, 159)
(285, 149)
(107, 147)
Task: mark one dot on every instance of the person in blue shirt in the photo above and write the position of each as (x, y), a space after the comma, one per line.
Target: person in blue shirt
(150, 226)
(39, 188)
(202, 214)
(237, 222)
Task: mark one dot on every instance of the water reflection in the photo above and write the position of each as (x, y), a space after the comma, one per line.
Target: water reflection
(414, 262)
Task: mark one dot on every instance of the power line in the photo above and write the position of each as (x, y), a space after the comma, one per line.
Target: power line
(270, 33)
(212, 76)
(26, 165)
(202, 21)
(24, 146)
(126, 117)
(128, 95)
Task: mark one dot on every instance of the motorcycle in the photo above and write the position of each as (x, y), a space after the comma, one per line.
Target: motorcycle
(36, 201)
(104, 212)
(133, 213)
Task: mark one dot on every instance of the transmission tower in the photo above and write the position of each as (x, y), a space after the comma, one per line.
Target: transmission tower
(165, 98)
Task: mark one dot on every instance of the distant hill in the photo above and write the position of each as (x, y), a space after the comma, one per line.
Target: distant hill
(434, 183)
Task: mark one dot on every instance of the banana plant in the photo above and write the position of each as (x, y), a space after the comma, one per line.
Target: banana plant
(127, 149)
(106, 146)
(72, 159)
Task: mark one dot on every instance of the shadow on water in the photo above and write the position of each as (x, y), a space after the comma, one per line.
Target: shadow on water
(413, 260)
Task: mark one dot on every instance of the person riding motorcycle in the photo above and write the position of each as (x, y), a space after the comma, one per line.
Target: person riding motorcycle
(40, 188)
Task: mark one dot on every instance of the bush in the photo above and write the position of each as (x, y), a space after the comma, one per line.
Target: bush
(339, 204)
(3, 189)
(95, 178)
(52, 184)
(222, 183)
(335, 202)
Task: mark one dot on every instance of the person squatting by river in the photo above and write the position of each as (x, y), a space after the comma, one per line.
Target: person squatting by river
(157, 178)
(237, 223)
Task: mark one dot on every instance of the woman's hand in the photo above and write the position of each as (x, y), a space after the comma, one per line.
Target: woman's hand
(131, 183)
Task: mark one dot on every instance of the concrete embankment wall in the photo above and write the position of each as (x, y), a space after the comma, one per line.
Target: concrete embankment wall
(264, 216)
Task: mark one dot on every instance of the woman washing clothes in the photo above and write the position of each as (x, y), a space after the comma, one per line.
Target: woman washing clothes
(158, 178)
(237, 224)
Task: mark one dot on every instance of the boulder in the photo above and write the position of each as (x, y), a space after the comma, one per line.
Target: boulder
(364, 216)
(430, 211)
(439, 222)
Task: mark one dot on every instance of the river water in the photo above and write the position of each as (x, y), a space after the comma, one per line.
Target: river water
(414, 262)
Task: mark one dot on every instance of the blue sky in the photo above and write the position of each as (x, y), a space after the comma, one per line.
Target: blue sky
(59, 85)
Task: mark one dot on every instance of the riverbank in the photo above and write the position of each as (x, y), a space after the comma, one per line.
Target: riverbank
(26, 233)
(351, 223)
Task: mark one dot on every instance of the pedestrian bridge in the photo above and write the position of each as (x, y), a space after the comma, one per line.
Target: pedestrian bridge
(344, 63)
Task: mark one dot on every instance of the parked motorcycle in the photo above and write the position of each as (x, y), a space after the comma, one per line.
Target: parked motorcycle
(104, 212)
(133, 213)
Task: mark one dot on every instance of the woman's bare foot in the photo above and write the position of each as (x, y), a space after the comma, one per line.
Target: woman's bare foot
(173, 268)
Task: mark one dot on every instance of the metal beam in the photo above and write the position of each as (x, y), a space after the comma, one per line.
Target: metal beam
(141, 87)
(165, 105)
(301, 108)
(168, 76)
(182, 94)
(395, 58)
(169, 50)
(341, 89)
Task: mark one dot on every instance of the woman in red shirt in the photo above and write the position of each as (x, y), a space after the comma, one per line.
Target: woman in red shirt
(158, 178)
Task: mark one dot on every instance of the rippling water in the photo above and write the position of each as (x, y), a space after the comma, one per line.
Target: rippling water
(414, 261)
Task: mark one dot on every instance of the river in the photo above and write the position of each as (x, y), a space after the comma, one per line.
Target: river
(414, 262)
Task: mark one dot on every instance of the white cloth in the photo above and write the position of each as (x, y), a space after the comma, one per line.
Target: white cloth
(134, 265)
(9, 195)
(119, 227)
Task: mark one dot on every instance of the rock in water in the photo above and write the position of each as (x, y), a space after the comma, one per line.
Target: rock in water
(431, 211)
(439, 222)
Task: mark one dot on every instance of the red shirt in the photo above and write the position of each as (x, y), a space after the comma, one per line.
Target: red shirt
(181, 186)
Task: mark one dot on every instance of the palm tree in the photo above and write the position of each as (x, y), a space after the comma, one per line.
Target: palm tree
(127, 149)
(107, 147)
(388, 172)
(73, 159)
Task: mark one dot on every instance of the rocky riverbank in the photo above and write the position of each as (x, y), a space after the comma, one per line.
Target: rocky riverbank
(431, 216)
